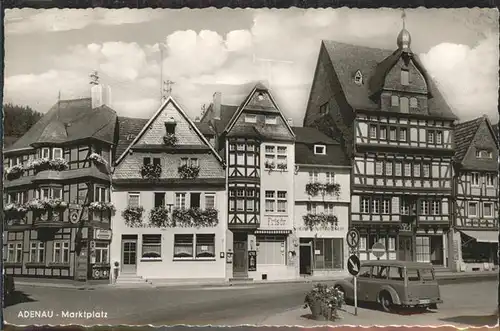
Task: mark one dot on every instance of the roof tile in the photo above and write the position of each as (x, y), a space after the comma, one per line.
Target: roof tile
(463, 136)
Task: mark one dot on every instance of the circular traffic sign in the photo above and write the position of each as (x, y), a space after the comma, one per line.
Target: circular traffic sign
(352, 238)
(353, 265)
(378, 249)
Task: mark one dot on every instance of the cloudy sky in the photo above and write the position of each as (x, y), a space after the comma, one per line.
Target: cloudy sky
(209, 50)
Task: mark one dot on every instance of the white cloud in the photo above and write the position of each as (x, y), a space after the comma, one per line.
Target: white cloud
(138, 107)
(21, 21)
(468, 77)
(238, 40)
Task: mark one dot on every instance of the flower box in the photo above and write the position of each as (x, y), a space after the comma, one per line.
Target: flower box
(188, 171)
(332, 188)
(133, 216)
(282, 166)
(96, 158)
(15, 211)
(170, 139)
(151, 171)
(58, 204)
(269, 165)
(319, 220)
(43, 164)
(101, 206)
(324, 301)
(160, 217)
(313, 188)
(14, 172)
(195, 217)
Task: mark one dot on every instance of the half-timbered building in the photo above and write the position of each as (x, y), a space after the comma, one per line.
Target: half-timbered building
(396, 128)
(322, 203)
(169, 191)
(256, 142)
(475, 236)
(56, 190)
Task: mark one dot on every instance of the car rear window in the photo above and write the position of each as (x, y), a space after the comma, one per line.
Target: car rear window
(415, 275)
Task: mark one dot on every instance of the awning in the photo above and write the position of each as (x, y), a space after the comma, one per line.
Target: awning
(265, 231)
(483, 236)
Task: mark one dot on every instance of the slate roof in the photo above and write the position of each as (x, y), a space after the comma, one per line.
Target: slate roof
(70, 120)
(495, 130)
(205, 128)
(306, 138)
(464, 134)
(374, 64)
(226, 112)
(127, 129)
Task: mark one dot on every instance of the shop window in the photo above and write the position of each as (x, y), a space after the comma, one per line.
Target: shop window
(102, 253)
(271, 250)
(61, 252)
(423, 249)
(151, 246)
(328, 253)
(183, 246)
(205, 246)
(15, 252)
(37, 252)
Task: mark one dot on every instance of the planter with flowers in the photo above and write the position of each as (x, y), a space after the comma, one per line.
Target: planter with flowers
(170, 139)
(160, 217)
(36, 205)
(151, 171)
(270, 165)
(188, 171)
(59, 164)
(133, 216)
(15, 211)
(313, 188)
(332, 189)
(324, 301)
(14, 172)
(43, 164)
(101, 206)
(319, 220)
(195, 217)
(97, 159)
(282, 166)
(56, 204)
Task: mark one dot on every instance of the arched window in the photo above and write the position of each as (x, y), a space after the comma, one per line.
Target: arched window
(404, 106)
(413, 102)
(394, 100)
(358, 78)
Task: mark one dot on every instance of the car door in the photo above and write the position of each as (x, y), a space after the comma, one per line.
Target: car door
(363, 285)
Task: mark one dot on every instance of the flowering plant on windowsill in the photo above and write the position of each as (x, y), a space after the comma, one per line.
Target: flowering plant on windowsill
(151, 171)
(269, 165)
(56, 203)
(14, 172)
(96, 158)
(160, 217)
(15, 210)
(40, 165)
(324, 220)
(313, 188)
(195, 217)
(133, 216)
(58, 164)
(188, 171)
(282, 166)
(170, 139)
(101, 206)
(332, 189)
(36, 205)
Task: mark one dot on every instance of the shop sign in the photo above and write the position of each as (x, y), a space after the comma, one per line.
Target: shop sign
(276, 222)
(102, 234)
(252, 260)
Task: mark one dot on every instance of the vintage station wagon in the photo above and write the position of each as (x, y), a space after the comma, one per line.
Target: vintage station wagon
(394, 284)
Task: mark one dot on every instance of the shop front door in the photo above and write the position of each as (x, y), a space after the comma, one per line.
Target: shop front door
(405, 249)
(129, 255)
(305, 259)
(240, 258)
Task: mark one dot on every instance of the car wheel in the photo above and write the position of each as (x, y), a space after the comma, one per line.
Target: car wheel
(385, 301)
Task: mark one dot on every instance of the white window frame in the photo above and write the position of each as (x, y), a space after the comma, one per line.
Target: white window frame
(181, 197)
(271, 119)
(394, 100)
(250, 118)
(383, 133)
(407, 169)
(489, 180)
(329, 208)
(194, 245)
(404, 105)
(435, 207)
(313, 176)
(98, 193)
(365, 205)
(209, 195)
(372, 131)
(320, 149)
(100, 248)
(39, 251)
(426, 170)
(330, 177)
(474, 179)
(379, 168)
(358, 78)
(439, 137)
(388, 168)
(491, 209)
(398, 168)
(424, 207)
(312, 208)
(469, 208)
(405, 207)
(60, 150)
(134, 194)
(375, 206)
(416, 170)
(413, 102)
(152, 244)
(391, 136)
(270, 197)
(12, 250)
(63, 246)
(403, 134)
(282, 200)
(430, 137)
(386, 206)
(45, 151)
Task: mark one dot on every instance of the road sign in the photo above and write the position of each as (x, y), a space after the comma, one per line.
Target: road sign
(378, 249)
(352, 238)
(353, 265)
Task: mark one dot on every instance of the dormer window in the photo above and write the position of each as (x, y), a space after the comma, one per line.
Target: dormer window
(251, 118)
(271, 120)
(319, 149)
(394, 101)
(45, 153)
(484, 154)
(405, 77)
(358, 78)
(404, 105)
(57, 153)
(260, 97)
(413, 103)
(130, 137)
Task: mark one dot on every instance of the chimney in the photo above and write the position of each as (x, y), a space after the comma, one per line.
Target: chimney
(101, 95)
(290, 121)
(216, 105)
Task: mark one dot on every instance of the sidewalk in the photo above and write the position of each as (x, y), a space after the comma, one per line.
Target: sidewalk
(161, 283)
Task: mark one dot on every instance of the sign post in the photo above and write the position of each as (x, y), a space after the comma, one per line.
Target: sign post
(353, 266)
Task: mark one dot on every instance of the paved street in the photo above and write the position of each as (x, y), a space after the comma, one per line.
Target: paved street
(465, 303)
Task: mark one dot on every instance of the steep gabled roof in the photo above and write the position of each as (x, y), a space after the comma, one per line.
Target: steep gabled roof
(464, 135)
(259, 87)
(127, 129)
(374, 63)
(155, 116)
(70, 120)
(306, 138)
